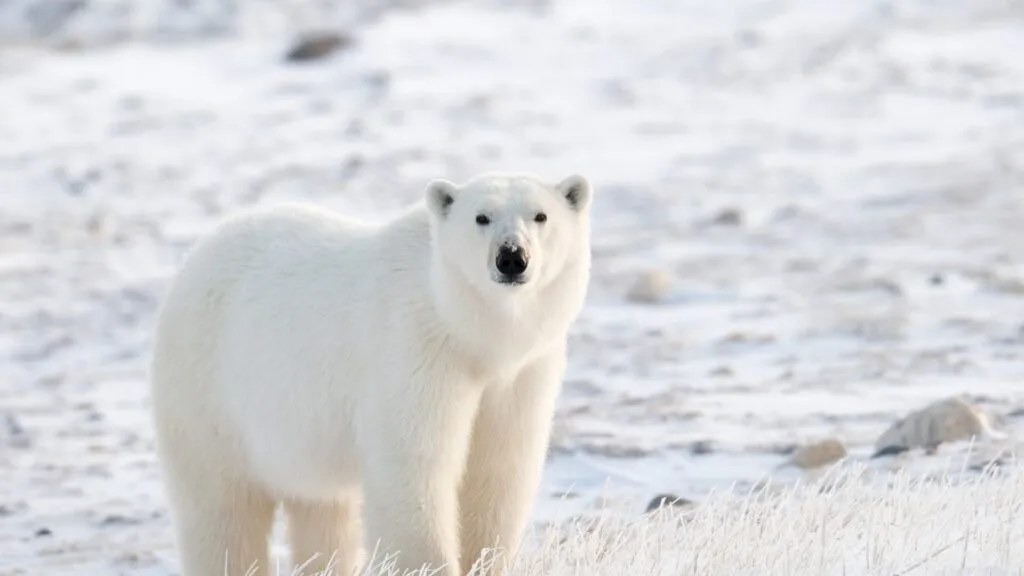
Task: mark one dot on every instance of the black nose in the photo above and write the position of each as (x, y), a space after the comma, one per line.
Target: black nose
(511, 261)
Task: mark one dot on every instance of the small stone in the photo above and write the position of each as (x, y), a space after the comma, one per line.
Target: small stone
(940, 422)
(721, 372)
(118, 520)
(97, 224)
(989, 465)
(668, 500)
(317, 46)
(784, 449)
(702, 447)
(48, 18)
(615, 451)
(650, 286)
(750, 38)
(14, 427)
(1013, 286)
(43, 532)
(746, 338)
(818, 454)
(728, 217)
(13, 433)
(889, 451)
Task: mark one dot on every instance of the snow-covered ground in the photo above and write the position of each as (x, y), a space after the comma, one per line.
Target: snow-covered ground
(835, 187)
(831, 527)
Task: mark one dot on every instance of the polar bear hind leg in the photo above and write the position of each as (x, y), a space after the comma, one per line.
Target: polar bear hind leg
(325, 537)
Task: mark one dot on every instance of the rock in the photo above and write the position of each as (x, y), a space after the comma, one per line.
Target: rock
(750, 38)
(783, 449)
(49, 18)
(118, 520)
(317, 46)
(944, 421)
(817, 454)
(745, 338)
(721, 372)
(14, 427)
(1013, 286)
(889, 451)
(702, 447)
(12, 433)
(989, 465)
(650, 286)
(1015, 413)
(98, 224)
(616, 451)
(668, 500)
(728, 217)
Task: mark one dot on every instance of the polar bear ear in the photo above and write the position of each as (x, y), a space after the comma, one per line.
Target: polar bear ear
(576, 190)
(440, 195)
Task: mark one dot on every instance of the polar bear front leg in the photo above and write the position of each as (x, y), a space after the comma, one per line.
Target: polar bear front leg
(416, 458)
(506, 458)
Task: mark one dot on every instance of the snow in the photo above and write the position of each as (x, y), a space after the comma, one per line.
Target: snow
(870, 150)
(837, 525)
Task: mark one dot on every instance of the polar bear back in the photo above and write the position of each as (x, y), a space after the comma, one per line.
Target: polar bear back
(283, 305)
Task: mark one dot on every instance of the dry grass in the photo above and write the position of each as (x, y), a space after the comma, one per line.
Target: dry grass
(848, 522)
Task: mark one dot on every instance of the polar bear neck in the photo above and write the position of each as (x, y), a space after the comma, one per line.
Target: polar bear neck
(525, 325)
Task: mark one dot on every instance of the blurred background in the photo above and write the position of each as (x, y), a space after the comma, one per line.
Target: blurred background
(808, 225)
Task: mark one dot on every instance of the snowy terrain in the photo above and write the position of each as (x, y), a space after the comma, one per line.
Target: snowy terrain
(840, 526)
(835, 187)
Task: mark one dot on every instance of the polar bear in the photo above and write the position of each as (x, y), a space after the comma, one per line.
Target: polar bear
(390, 385)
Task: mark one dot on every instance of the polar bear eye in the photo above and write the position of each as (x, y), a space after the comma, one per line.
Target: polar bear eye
(482, 220)
(540, 218)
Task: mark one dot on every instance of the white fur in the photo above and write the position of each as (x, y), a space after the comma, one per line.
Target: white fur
(368, 377)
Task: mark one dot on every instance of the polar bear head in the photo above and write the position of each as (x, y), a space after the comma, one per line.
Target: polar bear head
(511, 233)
